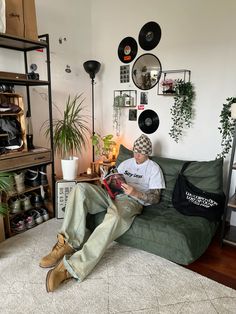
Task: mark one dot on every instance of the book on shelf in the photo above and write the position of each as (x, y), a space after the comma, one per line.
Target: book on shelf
(112, 182)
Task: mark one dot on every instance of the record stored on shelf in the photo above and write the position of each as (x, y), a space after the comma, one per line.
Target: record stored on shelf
(148, 121)
(127, 49)
(149, 35)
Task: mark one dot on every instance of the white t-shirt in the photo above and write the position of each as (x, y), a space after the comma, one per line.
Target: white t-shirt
(142, 177)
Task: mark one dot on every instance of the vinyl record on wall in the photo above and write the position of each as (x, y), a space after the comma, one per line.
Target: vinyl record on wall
(149, 35)
(127, 49)
(148, 121)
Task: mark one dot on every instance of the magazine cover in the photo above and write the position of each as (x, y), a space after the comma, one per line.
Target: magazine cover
(112, 182)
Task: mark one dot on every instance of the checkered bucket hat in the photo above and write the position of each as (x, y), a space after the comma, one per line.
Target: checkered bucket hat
(143, 145)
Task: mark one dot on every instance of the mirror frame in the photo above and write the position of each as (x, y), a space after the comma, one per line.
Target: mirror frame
(157, 66)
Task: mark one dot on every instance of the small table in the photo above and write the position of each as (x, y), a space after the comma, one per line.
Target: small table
(84, 177)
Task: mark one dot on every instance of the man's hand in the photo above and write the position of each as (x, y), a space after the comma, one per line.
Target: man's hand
(128, 189)
(151, 196)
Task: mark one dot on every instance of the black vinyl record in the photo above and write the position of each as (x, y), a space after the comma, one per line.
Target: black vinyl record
(127, 49)
(149, 36)
(148, 121)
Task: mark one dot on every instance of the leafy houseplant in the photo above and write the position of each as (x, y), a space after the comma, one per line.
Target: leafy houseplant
(182, 110)
(69, 131)
(103, 145)
(227, 127)
(6, 182)
(69, 135)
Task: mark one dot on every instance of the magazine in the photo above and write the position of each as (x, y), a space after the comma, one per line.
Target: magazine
(112, 182)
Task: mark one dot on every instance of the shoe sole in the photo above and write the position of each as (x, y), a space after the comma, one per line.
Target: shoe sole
(47, 279)
(49, 266)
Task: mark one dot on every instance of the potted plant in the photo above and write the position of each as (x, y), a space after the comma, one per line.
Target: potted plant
(69, 135)
(6, 184)
(104, 146)
(227, 126)
(182, 110)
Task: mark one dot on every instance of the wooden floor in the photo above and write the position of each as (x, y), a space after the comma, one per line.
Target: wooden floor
(217, 263)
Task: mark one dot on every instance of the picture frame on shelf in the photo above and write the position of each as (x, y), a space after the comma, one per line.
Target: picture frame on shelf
(125, 98)
(166, 85)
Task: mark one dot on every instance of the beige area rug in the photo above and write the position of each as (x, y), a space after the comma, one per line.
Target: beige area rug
(126, 280)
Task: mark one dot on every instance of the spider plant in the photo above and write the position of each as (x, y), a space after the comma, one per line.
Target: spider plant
(70, 130)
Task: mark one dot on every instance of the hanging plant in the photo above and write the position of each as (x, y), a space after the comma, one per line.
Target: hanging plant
(227, 127)
(182, 110)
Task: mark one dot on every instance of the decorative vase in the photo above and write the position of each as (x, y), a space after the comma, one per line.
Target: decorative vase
(69, 168)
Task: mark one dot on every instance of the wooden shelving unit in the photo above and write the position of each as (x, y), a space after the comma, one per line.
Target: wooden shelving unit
(22, 159)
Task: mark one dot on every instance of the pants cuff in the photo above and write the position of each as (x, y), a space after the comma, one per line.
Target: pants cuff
(69, 268)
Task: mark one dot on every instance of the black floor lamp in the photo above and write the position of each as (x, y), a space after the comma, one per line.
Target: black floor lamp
(92, 67)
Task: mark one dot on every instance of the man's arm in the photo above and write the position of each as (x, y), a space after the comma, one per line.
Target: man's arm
(152, 196)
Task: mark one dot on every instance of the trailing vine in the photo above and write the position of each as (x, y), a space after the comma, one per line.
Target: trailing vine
(182, 110)
(227, 127)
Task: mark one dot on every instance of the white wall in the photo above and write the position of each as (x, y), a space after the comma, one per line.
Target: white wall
(196, 35)
(71, 22)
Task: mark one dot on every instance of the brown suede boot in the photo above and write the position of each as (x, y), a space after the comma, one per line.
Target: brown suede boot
(56, 276)
(60, 249)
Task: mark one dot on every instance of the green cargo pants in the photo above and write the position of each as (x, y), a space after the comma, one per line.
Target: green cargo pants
(87, 198)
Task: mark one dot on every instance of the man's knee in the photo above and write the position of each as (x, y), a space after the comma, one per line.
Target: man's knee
(83, 187)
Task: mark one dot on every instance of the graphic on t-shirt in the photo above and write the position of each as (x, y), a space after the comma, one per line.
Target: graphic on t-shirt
(134, 175)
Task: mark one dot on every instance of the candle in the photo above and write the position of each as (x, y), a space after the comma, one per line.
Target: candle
(113, 153)
(233, 111)
(89, 171)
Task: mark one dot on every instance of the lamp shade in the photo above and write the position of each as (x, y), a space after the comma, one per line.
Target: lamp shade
(92, 67)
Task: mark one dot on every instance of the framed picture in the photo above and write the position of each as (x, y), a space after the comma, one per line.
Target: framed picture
(143, 98)
(132, 114)
(125, 98)
(166, 85)
(124, 74)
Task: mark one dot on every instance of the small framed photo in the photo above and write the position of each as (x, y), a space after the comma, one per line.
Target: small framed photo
(132, 114)
(124, 74)
(143, 98)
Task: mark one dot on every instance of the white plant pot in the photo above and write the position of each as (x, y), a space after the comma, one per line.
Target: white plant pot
(69, 168)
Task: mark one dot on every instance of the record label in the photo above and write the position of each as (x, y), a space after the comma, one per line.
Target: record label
(149, 36)
(148, 121)
(127, 49)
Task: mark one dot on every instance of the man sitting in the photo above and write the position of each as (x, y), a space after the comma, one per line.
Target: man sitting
(75, 254)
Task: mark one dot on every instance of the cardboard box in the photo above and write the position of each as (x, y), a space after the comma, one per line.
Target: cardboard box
(21, 19)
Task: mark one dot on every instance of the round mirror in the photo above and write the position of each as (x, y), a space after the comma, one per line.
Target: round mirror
(146, 71)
